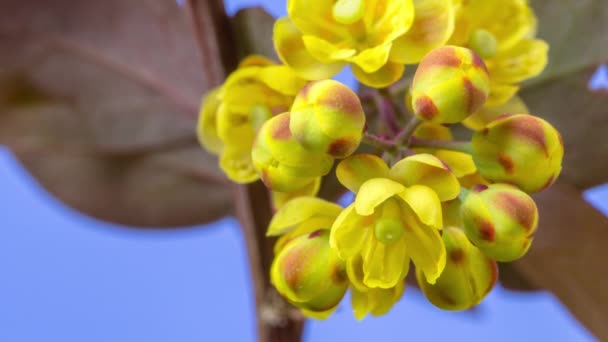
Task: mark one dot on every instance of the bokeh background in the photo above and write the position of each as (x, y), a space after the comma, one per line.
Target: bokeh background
(68, 277)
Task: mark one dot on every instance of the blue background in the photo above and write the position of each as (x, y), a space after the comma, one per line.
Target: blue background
(66, 277)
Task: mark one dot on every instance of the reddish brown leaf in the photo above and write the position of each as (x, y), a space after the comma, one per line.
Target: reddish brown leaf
(581, 116)
(99, 100)
(568, 256)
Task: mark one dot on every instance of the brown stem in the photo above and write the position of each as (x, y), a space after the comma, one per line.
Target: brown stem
(459, 146)
(276, 320)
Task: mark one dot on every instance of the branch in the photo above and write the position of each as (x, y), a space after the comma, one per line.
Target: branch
(276, 318)
(459, 146)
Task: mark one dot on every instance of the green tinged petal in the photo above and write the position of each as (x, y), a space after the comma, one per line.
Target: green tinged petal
(425, 247)
(299, 210)
(236, 163)
(290, 48)
(357, 169)
(206, 128)
(388, 74)
(373, 192)
(425, 204)
(349, 232)
(428, 170)
(433, 25)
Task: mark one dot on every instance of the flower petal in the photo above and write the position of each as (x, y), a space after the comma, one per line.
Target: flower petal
(324, 51)
(383, 265)
(460, 163)
(485, 115)
(290, 48)
(349, 232)
(370, 60)
(361, 302)
(354, 271)
(388, 74)
(206, 129)
(425, 204)
(280, 198)
(356, 169)
(388, 19)
(373, 192)
(306, 227)
(297, 211)
(282, 79)
(425, 247)
(255, 60)
(316, 19)
(236, 163)
(384, 299)
(524, 60)
(433, 25)
(500, 93)
(428, 170)
(320, 315)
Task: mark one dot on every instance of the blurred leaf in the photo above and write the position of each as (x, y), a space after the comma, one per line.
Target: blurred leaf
(99, 101)
(581, 116)
(576, 32)
(568, 256)
(254, 27)
(512, 279)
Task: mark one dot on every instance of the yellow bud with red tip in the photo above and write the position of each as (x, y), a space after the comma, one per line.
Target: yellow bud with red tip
(500, 220)
(523, 150)
(467, 278)
(309, 273)
(283, 164)
(327, 117)
(450, 84)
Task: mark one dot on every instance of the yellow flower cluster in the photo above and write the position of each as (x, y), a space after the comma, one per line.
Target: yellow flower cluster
(452, 209)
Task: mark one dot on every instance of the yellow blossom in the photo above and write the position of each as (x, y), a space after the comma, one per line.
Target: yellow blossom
(376, 38)
(231, 114)
(396, 216)
(503, 33)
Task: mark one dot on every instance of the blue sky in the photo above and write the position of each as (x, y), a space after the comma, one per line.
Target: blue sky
(67, 277)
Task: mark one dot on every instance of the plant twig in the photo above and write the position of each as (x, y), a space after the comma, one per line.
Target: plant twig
(406, 133)
(377, 141)
(459, 146)
(275, 318)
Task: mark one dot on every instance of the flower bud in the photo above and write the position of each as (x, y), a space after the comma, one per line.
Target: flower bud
(500, 220)
(467, 278)
(282, 163)
(327, 117)
(450, 84)
(519, 149)
(309, 273)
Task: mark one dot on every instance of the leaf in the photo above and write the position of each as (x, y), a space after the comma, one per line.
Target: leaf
(568, 256)
(254, 27)
(581, 116)
(576, 32)
(99, 100)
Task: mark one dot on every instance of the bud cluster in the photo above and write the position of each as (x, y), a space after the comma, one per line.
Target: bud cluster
(452, 209)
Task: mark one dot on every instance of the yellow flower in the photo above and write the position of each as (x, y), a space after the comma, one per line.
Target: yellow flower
(502, 32)
(319, 38)
(366, 300)
(396, 216)
(231, 114)
(306, 271)
(460, 163)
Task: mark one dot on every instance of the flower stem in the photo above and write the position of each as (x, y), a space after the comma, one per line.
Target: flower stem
(378, 142)
(459, 146)
(404, 136)
(387, 110)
